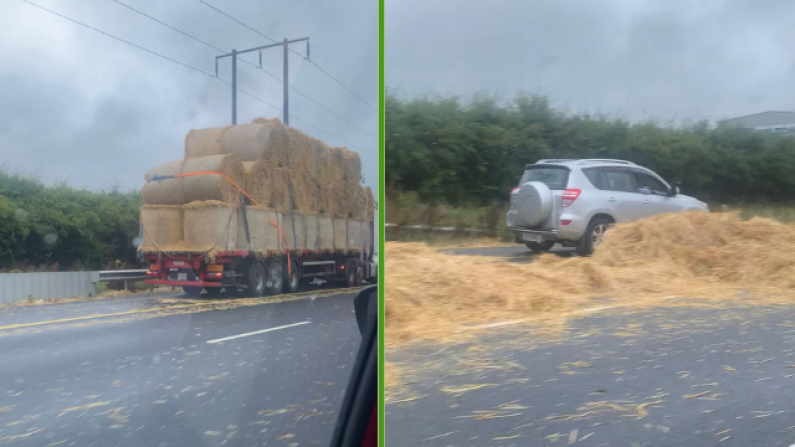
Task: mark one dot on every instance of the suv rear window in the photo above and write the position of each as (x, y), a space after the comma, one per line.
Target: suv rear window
(556, 178)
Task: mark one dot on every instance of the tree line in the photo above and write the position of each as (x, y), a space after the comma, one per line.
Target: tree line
(449, 151)
(62, 228)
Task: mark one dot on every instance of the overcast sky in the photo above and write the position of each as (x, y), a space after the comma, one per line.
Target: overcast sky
(638, 59)
(83, 108)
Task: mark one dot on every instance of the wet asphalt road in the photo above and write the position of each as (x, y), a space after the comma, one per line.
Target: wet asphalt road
(675, 377)
(142, 373)
(661, 378)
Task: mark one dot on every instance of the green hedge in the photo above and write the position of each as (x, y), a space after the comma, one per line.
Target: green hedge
(61, 228)
(448, 151)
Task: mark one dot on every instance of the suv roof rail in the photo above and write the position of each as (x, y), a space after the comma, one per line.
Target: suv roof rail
(554, 160)
(605, 160)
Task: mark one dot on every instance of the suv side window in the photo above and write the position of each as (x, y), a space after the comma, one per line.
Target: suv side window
(608, 179)
(650, 185)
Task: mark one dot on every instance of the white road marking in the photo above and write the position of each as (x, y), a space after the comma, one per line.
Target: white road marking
(249, 334)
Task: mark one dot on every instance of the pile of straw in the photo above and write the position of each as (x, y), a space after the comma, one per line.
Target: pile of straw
(683, 259)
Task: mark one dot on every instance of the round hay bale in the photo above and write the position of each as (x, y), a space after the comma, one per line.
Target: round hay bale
(162, 227)
(170, 168)
(351, 167)
(369, 203)
(163, 192)
(302, 149)
(259, 181)
(267, 141)
(280, 193)
(305, 190)
(204, 142)
(210, 186)
(261, 120)
(209, 226)
(264, 236)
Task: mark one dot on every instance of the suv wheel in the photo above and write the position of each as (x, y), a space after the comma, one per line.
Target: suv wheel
(540, 247)
(593, 236)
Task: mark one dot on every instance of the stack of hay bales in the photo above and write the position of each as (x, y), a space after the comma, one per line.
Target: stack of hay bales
(293, 181)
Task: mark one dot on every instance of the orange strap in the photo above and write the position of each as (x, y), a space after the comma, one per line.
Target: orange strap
(222, 175)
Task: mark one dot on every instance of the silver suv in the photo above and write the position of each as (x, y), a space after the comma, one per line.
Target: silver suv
(573, 202)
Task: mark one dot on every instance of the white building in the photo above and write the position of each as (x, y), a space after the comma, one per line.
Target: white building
(777, 122)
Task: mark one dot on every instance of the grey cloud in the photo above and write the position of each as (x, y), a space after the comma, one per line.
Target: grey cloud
(639, 59)
(81, 107)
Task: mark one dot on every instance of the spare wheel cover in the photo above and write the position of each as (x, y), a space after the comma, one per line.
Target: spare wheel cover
(534, 202)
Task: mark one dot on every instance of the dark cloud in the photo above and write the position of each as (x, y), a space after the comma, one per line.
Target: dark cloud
(636, 59)
(81, 107)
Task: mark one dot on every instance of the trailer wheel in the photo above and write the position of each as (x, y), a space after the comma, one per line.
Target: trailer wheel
(275, 277)
(351, 273)
(293, 278)
(255, 280)
(192, 291)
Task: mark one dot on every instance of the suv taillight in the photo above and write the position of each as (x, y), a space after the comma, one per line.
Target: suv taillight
(570, 195)
(514, 190)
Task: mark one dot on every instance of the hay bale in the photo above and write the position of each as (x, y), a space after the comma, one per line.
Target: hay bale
(267, 141)
(285, 223)
(210, 226)
(204, 142)
(326, 225)
(259, 182)
(356, 240)
(340, 228)
(305, 191)
(280, 193)
(351, 167)
(211, 187)
(312, 232)
(369, 212)
(303, 152)
(162, 227)
(264, 236)
(354, 202)
(163, 192)
(170, 168)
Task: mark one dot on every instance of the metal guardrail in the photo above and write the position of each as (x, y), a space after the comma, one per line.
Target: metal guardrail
(118, 275)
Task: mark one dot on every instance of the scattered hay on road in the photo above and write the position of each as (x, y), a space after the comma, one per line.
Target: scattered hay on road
(685, 259)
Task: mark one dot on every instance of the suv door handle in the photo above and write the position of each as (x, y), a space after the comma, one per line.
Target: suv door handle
(646, 201)
(611, 199)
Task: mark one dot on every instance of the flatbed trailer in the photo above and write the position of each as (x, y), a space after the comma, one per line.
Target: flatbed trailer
(259, 274)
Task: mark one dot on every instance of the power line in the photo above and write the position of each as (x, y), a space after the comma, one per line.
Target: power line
(309, 60)
(293, 116)
(184, 65)
(205, 43)
(120, 39)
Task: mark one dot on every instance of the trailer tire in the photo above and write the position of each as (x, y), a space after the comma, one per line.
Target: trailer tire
(274, 277)
(255, 280)
(293, 278)
(192, 291)
(351, 273)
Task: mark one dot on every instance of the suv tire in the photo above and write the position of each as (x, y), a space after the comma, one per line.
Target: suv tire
(540, 247)
(593, 236)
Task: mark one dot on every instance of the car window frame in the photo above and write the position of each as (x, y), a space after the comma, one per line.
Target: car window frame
(547, 166)
(654, 176)
(617, 169)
